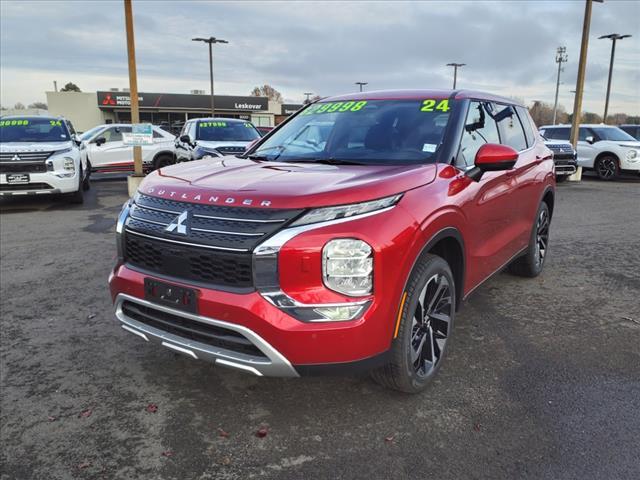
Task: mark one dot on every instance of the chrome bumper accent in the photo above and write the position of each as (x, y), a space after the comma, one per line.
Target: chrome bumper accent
(565, 169)
(275, 365)
(49, 191)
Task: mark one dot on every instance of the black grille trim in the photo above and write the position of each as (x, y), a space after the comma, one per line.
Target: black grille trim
(23, 167)
(9, 187)
(25, 156)
(191, 329)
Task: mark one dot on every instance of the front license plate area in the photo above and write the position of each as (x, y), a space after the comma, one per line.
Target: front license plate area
(169, 295)
(18, 178)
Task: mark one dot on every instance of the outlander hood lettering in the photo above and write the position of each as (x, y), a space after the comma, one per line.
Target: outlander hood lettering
(179, 224)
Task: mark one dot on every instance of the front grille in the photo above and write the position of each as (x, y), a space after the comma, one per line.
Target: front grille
(230, 150)
(197, 331)
(23, 167)
(24, 156)
(7, 187)
(229, 269)
(562, 151)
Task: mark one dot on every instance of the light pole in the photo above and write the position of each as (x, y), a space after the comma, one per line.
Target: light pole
(614, 37)
(455, 72)
(561, 57)
(210, 41)
(308, 95)
(361, 84)
(582, 66)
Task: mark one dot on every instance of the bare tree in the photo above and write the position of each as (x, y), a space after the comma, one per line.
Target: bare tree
(267, 91)
(40, 105)
(19, 106)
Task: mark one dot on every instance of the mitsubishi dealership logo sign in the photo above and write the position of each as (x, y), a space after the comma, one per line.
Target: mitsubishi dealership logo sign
(179, 224)
(108, 100)
(113, 100)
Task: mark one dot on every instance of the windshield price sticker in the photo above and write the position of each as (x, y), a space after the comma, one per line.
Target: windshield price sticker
(335, 107)
(55, 123)
(13, 123)
(212, 124)
(430, 105)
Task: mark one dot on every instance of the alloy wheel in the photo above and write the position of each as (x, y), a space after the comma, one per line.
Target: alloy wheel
(607, 168)
(431, 325)
(542, 236)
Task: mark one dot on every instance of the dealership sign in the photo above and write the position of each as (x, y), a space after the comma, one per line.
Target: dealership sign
(290, 108)
(180, 101)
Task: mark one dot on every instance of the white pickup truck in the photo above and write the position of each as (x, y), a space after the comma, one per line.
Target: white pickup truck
(107, 153)
(41, 156)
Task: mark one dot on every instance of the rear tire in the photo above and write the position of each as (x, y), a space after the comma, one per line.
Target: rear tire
(607, 167)
(426, 324)
(531, 263)
(86, 183)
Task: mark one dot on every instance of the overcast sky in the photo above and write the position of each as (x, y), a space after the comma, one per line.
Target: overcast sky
(322, 47)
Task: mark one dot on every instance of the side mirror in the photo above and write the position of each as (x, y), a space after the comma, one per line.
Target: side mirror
(590, 139)
(99, 141)
(492, 157)
(185, 139)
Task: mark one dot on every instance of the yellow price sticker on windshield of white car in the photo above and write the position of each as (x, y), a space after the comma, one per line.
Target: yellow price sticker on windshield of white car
(212, 124)
(13, 123)
(431, 105)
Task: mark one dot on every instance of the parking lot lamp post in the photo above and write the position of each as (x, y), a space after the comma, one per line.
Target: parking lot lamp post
(361, 84)
(455, 72)
(308, 95)
(614, 37)
(582, 65)
(561, 57)
(135, 179)
(210, 41)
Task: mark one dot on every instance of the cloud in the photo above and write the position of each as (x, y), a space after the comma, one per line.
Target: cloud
(324, 47)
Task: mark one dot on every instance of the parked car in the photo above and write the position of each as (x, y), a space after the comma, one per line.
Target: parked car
(633, 130)
(107, 152)
(264, 130)
(604, 148)
(214, 137)
(565, 158)
(353, 253)
(41, 155)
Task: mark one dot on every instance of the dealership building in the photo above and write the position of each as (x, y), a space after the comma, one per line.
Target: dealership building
(88, 109)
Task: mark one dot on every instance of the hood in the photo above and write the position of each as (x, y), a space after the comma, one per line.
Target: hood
(212, 144)
(233, 181)
(34, 146)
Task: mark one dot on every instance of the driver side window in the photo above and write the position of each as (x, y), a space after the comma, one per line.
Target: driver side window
(114, 134)
(479, 128)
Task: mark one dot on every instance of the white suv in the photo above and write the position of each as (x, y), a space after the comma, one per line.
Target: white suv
(41, 156)
(107, 152)
(605, 148)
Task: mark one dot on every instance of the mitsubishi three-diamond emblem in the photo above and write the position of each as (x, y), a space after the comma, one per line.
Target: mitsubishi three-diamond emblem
(179, 224)
(15, 158)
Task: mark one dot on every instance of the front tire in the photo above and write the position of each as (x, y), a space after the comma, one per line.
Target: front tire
(77, 196)
(531, 263)
(163, 161)
(607, 167)
(561, 178)
(426, 324)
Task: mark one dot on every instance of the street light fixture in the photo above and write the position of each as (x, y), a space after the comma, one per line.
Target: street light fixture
(455, 72)
(210, 41)
(361, 84)
(614, 37)
(308, 95)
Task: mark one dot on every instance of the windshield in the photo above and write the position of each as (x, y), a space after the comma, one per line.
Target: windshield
(33, 130)
(613, 134)
(90, 133)
(221, 130)
(362, 132)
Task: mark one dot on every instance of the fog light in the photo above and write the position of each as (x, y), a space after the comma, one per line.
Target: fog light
(347, 266)
(339, 313)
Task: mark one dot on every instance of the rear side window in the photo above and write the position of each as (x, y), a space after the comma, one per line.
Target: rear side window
(479, 128)
(561, 133)
(527, 125)
(511, 131)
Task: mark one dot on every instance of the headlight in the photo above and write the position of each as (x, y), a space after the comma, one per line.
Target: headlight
(69, 164)
(200, 152)
(344, 211)
(632, 154)
(347, 266)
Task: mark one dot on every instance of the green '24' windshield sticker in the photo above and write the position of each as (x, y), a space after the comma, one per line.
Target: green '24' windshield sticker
(335, 107)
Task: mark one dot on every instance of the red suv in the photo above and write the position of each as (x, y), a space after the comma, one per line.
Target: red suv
(345, 239)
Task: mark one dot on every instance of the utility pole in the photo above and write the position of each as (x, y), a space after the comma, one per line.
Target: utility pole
(361, 84)
(582, 65)
(561, 57)
(308, 95)
(210, 41)
(614, 37)
(134, 180)
(455, 72)
(55, 86)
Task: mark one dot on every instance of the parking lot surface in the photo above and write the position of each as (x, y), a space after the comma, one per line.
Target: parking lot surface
(542, 380)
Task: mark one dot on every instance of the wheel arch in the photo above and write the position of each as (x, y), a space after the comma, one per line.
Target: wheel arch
(549, 198)
(606, 153)
(162, 153)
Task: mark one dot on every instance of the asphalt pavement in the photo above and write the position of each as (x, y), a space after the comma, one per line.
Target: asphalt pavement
(542, 380)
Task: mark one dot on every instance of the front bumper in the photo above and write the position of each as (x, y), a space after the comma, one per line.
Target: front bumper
(40, 184)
